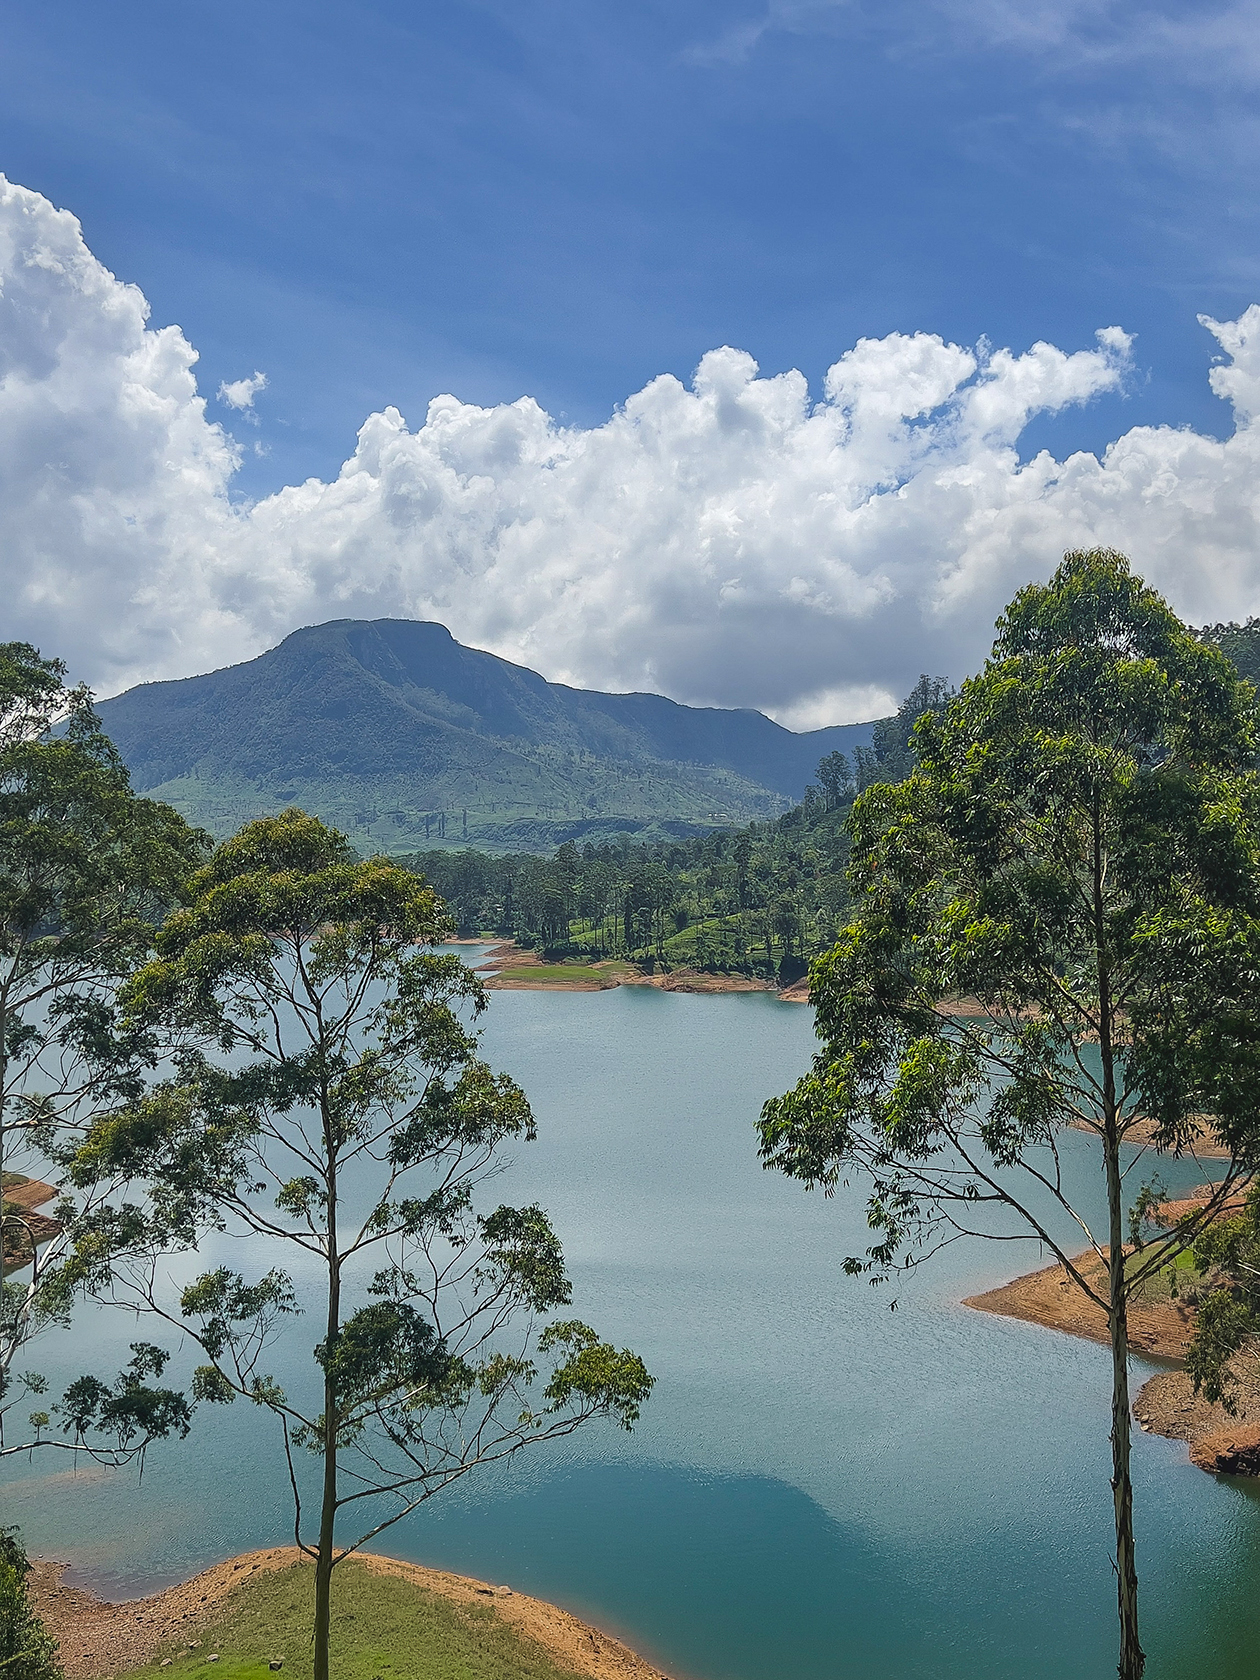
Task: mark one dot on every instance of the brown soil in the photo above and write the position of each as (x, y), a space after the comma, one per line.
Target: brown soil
(1168, 1213)
(506, 966)
(1201, 1147)
(1166, 1404)
(1228, 1446)
(1161, 1327)
(696, 980)
(512, 958)
(30, 1193)
(99, 1639)
(25, 1197)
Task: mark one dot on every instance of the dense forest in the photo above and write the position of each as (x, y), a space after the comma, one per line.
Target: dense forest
(758, 900)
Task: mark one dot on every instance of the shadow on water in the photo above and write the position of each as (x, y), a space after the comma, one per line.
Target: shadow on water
(736, 1575)
(819, 1489)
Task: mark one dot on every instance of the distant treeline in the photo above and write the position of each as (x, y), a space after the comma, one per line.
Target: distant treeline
(759, 900)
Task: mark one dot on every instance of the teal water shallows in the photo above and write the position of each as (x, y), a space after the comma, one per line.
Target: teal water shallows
(821, 1488)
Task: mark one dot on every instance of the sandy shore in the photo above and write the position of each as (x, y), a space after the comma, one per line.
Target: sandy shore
(506, 969)
(98, 1639)
(1161, 1328)
(26, 1195)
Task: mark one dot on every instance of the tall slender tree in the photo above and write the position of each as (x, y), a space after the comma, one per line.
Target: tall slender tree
(354, 1127)
(87, 870)
(1075, 853)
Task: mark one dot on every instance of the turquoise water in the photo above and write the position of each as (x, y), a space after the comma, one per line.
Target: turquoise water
(821, 1488)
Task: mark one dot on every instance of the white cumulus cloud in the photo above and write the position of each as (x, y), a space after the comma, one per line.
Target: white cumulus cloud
(730, 541)
(240, 393)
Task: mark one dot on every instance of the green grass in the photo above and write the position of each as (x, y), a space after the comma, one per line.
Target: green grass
(1175, 1279)
(554, 971)
(383, 1628)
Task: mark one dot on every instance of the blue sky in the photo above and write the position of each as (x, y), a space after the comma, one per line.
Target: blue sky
(559, 212)
(377, 203)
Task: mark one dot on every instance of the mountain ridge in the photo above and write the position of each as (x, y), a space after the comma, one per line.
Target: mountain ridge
(392, 729)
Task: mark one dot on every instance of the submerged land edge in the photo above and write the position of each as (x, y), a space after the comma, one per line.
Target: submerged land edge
(1159, 1330)
(98, 1639)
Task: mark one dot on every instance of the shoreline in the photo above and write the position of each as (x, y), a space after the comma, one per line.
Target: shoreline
(1159, 1330)
(506, 966)
(99, 1639)
(24, 1195)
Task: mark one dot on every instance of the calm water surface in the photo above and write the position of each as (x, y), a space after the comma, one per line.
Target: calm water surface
(821, 1488)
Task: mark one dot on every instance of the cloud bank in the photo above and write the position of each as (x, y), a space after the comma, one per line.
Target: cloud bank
(729, 542)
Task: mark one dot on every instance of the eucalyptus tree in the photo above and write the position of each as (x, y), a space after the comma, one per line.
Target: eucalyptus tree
(1075, 853)
(87, 869)
(352, 1126)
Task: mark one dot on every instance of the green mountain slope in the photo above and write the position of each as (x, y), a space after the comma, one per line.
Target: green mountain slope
(393, 730)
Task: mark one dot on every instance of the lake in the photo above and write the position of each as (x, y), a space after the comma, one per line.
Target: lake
(821, 1488)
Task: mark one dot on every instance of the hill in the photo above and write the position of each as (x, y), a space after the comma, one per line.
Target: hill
(405, 738)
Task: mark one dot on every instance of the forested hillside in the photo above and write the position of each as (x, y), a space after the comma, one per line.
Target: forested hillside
(760, 899)
(756, 900)
(402, 737)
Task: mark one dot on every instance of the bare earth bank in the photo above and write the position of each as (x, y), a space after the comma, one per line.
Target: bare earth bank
(1166, 1404)
(99, 1639)
(507, 969)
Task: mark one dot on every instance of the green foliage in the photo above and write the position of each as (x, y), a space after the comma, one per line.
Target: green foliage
(1227, 1317)
(1075, 852)
(759, 900)
(1240, 643)
(27, 1650)
(1088, 798)
(891, 755)
(130, 1412)
(354, 1065)
(404, 739)
(87, 870)
(384, 1627)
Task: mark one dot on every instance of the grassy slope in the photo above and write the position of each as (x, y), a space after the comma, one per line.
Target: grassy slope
(383, 1629)
(546, 973)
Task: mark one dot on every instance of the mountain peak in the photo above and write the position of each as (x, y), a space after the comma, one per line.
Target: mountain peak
(402, 736)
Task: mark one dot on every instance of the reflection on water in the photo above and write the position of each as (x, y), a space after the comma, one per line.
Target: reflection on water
(820, 1488)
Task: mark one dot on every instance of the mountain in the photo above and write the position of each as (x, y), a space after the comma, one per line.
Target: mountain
(403, 737)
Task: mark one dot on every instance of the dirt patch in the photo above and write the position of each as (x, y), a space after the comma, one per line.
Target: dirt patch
(29, 1193)
(698, 980)
(22, 1196)
(1227, 1446)
(1161, 1327)
(1234, 1451)
(570, 1641)
(98, 1639)
(1202, 1146)
(1166, 1404)
(507, 969)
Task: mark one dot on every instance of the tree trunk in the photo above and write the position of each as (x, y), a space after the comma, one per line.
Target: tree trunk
(1132, 1659)
(324, 1562)
(328, 1502)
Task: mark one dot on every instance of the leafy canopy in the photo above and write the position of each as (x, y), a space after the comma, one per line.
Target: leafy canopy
(1075, 855)
(86, 871)
(356, 1121)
